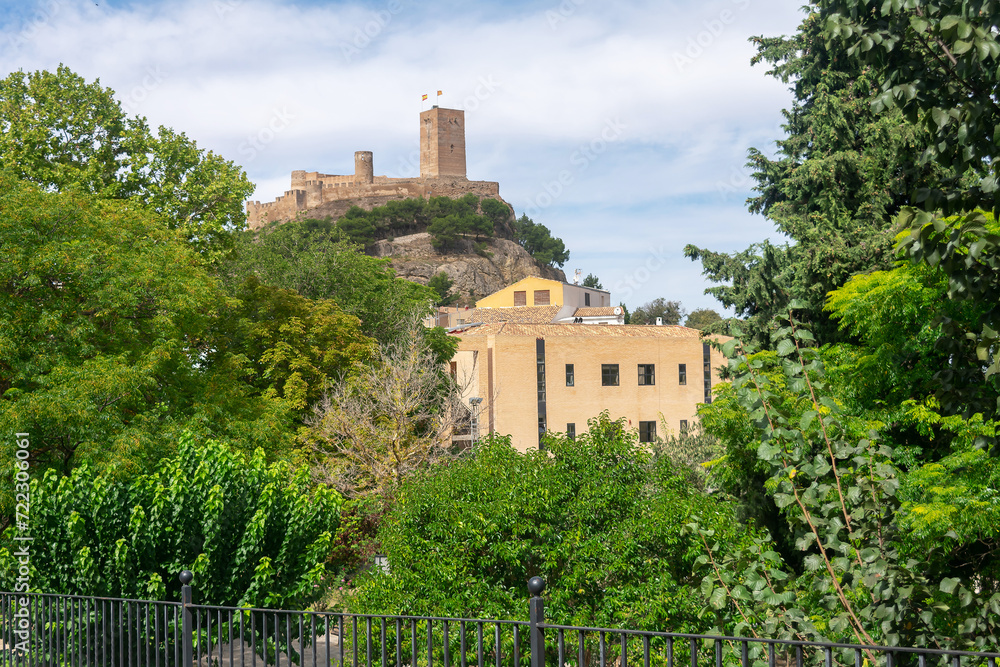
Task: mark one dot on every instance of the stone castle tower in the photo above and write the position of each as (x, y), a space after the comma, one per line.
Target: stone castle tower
(442, 173)
(442, 143)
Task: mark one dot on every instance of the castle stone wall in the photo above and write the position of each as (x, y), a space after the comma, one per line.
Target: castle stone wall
(442, 173)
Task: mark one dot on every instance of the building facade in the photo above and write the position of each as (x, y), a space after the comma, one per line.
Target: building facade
(525, 379)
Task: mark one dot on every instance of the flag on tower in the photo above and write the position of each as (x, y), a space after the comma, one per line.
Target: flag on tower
(423, 98)
(440, 93)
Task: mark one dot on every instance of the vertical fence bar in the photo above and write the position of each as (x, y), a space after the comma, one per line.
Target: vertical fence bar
(718, 653)
(745, 654)
(447, 644)
(186, 649)
(561, 644)
(694, 653)
(399, 642)
(430, 643)
(670, 652)
(479, 643)
(581, 648)
(624, 650)
(413, 642)
(536, 618)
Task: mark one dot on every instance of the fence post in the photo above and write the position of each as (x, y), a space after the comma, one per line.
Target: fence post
(536, 618)
(187, 648)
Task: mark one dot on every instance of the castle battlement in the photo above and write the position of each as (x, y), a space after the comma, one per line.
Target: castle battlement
(442, 173)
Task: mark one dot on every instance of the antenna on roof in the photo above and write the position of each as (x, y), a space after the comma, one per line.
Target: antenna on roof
(576, 277)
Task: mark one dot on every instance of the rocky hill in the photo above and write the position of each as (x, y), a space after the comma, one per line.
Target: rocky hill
(474, 274)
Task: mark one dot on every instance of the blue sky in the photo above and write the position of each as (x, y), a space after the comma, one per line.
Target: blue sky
(621, 126)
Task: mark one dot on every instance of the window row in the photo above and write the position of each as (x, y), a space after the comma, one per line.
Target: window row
(610, 375)
(647, 430)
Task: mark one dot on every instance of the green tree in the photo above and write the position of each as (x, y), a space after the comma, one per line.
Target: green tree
(592, 281)
(295, 348)
(598, 517)
(308, 256)
(843, 171)
(441, 284)
(253, 534)
(60, 132)
(539, 242)
(701, 318)
(670, 312)
(627, 316)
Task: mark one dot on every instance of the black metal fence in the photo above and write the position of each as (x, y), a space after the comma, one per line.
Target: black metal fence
(72, 631)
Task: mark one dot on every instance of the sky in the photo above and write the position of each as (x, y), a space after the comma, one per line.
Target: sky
(622, 126)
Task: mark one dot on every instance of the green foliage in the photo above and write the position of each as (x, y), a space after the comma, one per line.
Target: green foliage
(308, 256)
(598, 517)
(843, 171)
(592, 281)
(539, 242)
(60, 132)
(881, 559)
(106, 322)
(441, 284)
(935, 64)
(253, 534)
(702, 318)
(671, 312)
(295, 347)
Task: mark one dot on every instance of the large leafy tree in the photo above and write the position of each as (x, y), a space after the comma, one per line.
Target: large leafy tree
(60, 132)
(114, 338)
(841, 174)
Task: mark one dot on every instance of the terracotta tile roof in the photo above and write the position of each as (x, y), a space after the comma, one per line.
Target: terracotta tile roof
(582, 330)
(595, 311)
(521, 314)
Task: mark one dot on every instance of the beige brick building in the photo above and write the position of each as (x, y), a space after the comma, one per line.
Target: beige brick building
(537, 377)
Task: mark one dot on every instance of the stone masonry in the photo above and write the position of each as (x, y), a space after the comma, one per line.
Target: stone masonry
(442, 173)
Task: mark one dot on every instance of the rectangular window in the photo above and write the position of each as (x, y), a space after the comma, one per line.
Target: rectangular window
(569, 375)
(541, 297)
(609, 375)
(647, 374)
(707, 353)
(682, 374)
(647, 431)
(684, 426)
(540, 371)
(521, 298)
(586, 298)
(454, 370)
(571, 431)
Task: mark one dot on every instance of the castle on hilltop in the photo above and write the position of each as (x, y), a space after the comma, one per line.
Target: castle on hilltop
(442, 173)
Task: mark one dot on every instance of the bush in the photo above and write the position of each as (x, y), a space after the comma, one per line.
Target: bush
(599, 518)
(252, 533)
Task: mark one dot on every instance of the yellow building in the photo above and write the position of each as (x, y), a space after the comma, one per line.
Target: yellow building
(536, 377)
(534, 291)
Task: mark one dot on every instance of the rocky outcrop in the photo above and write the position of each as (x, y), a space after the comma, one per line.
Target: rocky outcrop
(475, 275)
